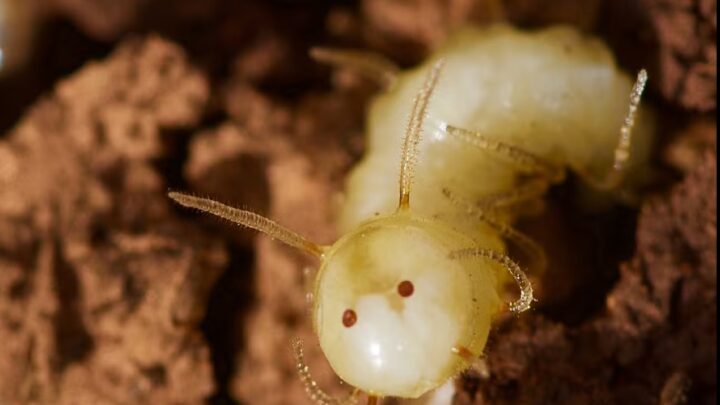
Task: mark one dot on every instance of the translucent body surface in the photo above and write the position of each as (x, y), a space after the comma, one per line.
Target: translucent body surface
(401, 345)
(555, 93)
(404, 300)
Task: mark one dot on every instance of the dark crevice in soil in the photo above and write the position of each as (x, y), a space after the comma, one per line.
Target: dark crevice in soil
(230, 301)
(73, 340)
(171, 164)
(584, 251)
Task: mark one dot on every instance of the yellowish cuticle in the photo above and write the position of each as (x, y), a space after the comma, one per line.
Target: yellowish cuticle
(405, 298)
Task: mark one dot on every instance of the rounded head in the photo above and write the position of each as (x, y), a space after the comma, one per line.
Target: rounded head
(392, 309)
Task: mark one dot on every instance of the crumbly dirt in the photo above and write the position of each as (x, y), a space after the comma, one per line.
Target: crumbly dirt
(687, 54)
(657, 327)
(102, 286)
(109, 294)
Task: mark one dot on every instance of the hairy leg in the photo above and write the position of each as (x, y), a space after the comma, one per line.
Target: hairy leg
(541, 173)
(533, 251)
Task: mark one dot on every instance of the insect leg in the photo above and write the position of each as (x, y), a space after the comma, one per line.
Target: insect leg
(525, 161)
(370, 64)
(531, 249)
(526, 291)
(542, 172)
(311, 387)
(614, 177)
(248, 219)
(531, 189)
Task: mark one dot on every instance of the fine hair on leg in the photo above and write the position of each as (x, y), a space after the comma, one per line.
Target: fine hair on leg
(532, 188)
(526, 291)
(533, 251)
(525, 161)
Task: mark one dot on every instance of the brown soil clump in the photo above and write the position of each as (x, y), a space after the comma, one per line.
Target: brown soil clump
(111, 295)
(658, 324)
(101, 290)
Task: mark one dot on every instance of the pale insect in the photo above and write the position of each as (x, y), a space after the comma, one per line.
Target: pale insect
(404, 301)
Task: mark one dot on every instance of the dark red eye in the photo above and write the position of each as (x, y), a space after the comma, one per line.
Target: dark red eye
(406, 288)
(349, 318)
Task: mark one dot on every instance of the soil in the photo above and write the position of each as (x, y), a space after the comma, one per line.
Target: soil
(109, 294)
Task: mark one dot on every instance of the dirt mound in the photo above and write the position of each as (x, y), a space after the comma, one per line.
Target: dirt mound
(109, 294)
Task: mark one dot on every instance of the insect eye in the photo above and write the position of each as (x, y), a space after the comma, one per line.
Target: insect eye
(349, 318)
(405, 288)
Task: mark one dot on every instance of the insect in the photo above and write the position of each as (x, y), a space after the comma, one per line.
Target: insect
(404, 300)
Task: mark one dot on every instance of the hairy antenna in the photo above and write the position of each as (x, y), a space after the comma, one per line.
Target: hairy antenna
(413, 134)
(622, 151)
(248, 219)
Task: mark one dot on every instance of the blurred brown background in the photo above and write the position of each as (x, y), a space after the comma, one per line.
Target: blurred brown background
(111, 295)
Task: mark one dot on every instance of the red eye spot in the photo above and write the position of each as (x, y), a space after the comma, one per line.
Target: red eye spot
(406, 288)
(349, 318)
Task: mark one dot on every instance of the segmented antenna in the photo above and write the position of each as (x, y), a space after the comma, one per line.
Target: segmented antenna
(311, 387)
(248, 219)
(413, 134)
(622, 151)
(526, 291)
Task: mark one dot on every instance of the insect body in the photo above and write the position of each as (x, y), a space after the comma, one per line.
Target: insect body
(404, 300)
(554, 94)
